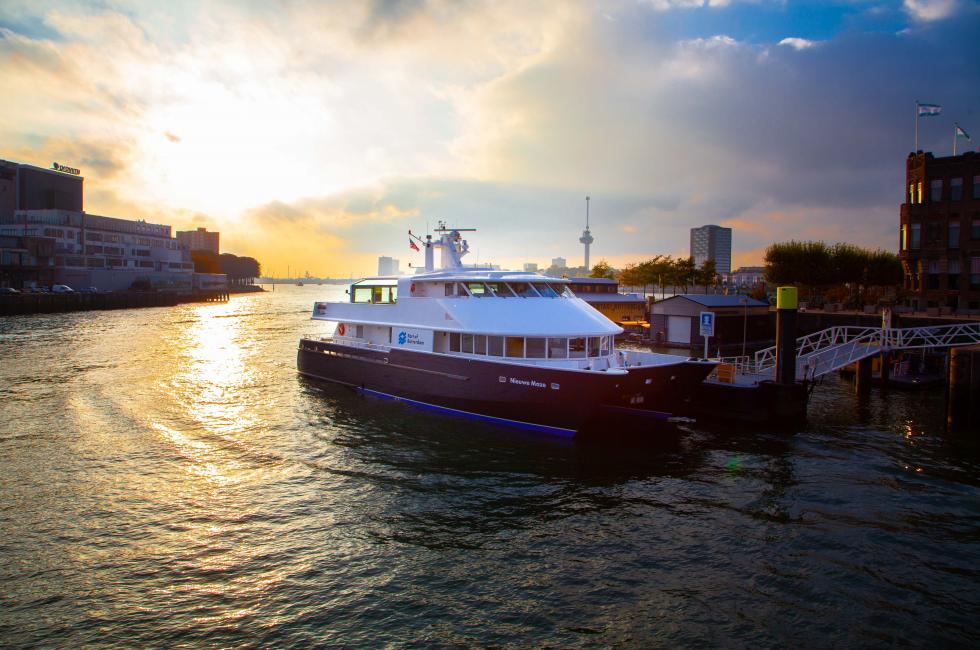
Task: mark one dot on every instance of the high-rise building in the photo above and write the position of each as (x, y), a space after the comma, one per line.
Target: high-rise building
(712, 243)
(198, 240)
(939, 237)
(559, 262)
(388, 266)
(530, 267)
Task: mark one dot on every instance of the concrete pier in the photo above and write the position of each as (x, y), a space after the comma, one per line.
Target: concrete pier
(49, 303)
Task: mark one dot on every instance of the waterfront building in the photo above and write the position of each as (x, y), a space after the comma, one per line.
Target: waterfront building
(105, 252)
(389, 266)
(712, 243)
(198, 240)
(530, 267)
(26, 187)
(939, 237)
(675, 320)
(26, 261)
(559, 263)
(747, 277)
(626, 310)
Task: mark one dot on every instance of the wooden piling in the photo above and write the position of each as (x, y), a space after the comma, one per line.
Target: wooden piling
(862, 378)
(963, 395)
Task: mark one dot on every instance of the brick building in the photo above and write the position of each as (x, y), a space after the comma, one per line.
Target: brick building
(939, 243)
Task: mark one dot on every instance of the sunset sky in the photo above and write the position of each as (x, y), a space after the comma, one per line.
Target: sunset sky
(315, 134)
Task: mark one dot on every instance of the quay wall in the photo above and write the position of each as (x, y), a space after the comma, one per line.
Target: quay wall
(49, 303)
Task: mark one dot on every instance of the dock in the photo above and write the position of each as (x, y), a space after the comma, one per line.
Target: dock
(49, 303)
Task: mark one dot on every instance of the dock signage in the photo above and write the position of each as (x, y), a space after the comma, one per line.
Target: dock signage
(411, 339)
(707, 323)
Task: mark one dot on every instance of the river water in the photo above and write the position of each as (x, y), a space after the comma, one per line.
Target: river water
(168, 479)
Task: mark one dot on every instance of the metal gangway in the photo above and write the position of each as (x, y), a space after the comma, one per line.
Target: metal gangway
(834, 348)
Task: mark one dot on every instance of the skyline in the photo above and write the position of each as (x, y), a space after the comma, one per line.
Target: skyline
(317, 134)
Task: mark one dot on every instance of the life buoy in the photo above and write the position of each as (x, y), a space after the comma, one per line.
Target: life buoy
(341, 329)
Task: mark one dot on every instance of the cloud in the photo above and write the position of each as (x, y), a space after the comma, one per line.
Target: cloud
(171, 137)
(797, 43)
(930, 10)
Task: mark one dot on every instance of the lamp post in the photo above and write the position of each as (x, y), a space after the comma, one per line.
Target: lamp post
(745, 320)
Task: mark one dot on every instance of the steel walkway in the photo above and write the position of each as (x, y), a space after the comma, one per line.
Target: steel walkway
(831, 349)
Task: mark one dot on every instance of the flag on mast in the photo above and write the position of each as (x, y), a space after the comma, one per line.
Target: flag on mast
(961, 133)
(928, 110)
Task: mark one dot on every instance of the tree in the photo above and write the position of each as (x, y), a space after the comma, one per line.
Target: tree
(684, 271)
(707, 274)
(603, 270)
(206, 262)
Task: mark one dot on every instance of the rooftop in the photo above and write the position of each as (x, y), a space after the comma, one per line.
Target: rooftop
(714, 300)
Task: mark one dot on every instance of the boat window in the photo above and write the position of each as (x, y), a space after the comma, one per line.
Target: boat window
(362, 294)
(606, 341)
(515, 346)
(500, 289)
(536, 348)
(360, 332)
(480, 344)
(576, 348)
(524, 289)
(454, 341)
(394, 294)
(376, 294)
(477, 290)
(545, 290)
(558, 348)
(450, 288)
(594, 346)
(495, 346)
(566, 292)
(467, 345)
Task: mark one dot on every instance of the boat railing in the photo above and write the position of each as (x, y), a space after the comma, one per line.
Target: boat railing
(365, 345)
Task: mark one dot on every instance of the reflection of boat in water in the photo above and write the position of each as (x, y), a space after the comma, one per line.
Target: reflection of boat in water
(512, 347)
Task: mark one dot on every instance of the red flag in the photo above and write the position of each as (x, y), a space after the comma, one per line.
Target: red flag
(412, 245)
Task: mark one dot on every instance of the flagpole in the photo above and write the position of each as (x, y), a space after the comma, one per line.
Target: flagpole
(917, 126)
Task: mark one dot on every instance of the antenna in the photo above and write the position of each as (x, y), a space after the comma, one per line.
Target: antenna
(587, 213)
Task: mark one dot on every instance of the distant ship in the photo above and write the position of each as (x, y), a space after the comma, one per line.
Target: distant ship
(509, 347)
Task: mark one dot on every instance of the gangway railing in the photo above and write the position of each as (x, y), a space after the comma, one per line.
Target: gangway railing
(834, 348)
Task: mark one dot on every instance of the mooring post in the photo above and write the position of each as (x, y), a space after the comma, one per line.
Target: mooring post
(862, 378)
(786, 302)
(886, 368)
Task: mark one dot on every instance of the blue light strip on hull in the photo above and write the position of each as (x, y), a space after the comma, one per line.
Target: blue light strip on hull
(540, 428)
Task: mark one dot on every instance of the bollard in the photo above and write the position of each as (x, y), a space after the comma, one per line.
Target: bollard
(786, 303)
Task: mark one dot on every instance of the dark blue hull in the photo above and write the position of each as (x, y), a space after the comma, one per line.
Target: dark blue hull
(558, 401)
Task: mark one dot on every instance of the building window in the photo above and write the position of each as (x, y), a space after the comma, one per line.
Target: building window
(953, 275)
(936, 190)
(974, 273)
(904, 239)
(955, 189)
(976, 187)
(911, 192)
(915, 241)
(975, 229)
(932, 278)
(918, 188)
(954, 234)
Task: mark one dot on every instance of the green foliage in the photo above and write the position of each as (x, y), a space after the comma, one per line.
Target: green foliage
(842, 270)
(601, 269)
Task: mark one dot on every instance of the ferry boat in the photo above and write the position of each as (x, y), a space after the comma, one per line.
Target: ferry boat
(509, 347)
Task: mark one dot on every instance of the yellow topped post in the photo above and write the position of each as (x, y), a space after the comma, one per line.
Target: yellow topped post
(786, 298)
